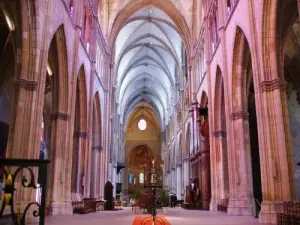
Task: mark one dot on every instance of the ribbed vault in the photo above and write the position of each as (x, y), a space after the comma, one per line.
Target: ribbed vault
(148, 59)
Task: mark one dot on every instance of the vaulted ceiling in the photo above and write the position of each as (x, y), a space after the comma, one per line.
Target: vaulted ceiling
(148, 54)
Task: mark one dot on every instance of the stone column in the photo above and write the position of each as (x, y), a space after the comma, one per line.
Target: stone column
(173, 172)
(214, 177)
(169, 177)
(80, 185)
(24, 133)
(186, 173)
(241, 194)
(192, 129)
(101, 174)
(57, 169)
(179, 181)
(205, 164)
(276, 155)
(110, 170)
(94, 170)
(195, 126)
(114, 179)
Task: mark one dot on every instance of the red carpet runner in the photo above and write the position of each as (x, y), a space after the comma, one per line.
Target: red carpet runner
(139, 219)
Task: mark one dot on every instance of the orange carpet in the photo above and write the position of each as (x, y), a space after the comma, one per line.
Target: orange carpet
(139, 219)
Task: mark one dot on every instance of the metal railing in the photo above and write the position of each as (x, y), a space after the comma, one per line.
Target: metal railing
(28, 167)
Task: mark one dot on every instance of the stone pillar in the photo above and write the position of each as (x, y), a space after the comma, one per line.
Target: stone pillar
(173, 173)
(101, 174)
(179, 181)
(114, 179)
(169, 180)
(276, 155)
(80, 184)
(192, 129)
(186, 174)
(58, 181)
(241, 194)
(195, 126)
(94, 170)
(205, 164)
(110, 170)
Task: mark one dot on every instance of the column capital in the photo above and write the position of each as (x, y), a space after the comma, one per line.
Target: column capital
(60, 116)
(97, 147)
(178, 165)
(271, 85)
(219, 133)
(239, 115)
(28, 85)
(80, 134)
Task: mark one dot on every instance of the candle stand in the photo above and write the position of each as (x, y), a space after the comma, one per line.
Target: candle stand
(153, 181)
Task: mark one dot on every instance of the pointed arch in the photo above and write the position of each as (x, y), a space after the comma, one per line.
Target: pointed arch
(96, 164)
(275, 28)
(203, 100)
(188, 136)
(241, 60)
(82, 91)
(58, 46)
(97, 117)
(81, 155)
(179, 152)
(220, 167)
(219, 104)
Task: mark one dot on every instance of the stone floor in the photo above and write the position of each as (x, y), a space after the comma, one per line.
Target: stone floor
(176, 216)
